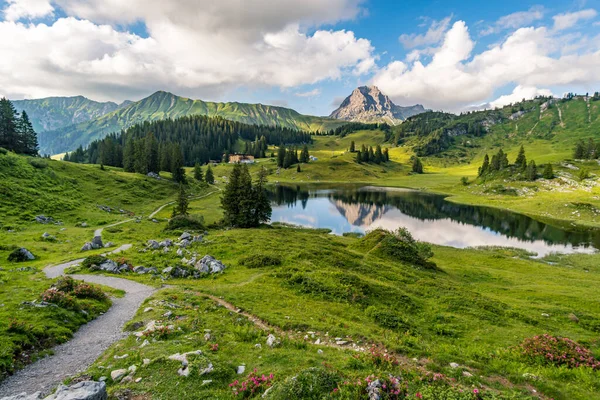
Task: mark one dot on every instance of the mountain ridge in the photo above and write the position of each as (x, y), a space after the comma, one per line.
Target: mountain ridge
(368, 104)
(162, 105)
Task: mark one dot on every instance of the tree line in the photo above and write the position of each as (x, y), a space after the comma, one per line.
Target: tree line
(286, 157)
(16, 131)
(589, 150)
(368, 155)
(199, 139)
(526, 170)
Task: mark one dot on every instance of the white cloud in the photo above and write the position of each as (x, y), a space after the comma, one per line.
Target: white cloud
(455, 78)
(310, 93)
(434, 35)
(519, 93)
(193, 47)
(18, 9)
(568, 20)
(515, 20)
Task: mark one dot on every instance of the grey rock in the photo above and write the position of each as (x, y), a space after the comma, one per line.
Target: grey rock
(374, 390)
(84, 225)
(87, 390)
(167, 270)
(241, 369)
(185, 243)
(185, 235)
(272, 340)
(25, 254)
(166, 243)
(24, 396)
(209, 264)
(153, 175)
(109, 244)
(118, 374)
(454, 365)
(97, 242)
(87, 247)
(153, 244)
(179, 252)
(109, 266)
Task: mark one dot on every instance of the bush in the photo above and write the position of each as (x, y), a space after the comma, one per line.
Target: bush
(310, 384)
(61, 299)
(399, 245)
(38, 163)
(260, 260)
(87, 291)
(464, 180)
(93, 260)
(253, 385)
(65, 284)
(557, 351)
(181, 222)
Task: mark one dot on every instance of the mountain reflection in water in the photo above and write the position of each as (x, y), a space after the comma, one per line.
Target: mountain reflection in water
(429, 217)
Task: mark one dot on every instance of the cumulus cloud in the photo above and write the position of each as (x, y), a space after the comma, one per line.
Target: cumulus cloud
(568, 20)
(433, 36)
(519, 93)
(515, 20)
(455, 78)
(17, 9)
(200, 47)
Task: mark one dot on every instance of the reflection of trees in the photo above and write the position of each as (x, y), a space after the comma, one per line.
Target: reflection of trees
(425, 206)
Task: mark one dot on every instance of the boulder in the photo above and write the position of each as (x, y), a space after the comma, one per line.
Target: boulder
(87, 247)
(86, 390)
(110, 266)
(166, 243)
(20, 255)
(185, 235)
(153, 244)
(374, 390)
(24, 396)
(185, 243)
(42, 219)
(109, 244)
(118, 374)
(153, 175)
(97, 242)
(209, 264)
(167, 270)
(272, 340)
(84, 225)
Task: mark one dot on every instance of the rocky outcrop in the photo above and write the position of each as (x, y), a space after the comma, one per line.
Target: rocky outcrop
(86, 390)
(367, 104)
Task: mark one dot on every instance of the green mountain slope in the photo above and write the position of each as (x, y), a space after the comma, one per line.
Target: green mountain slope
(162, 105)
(549, 127)
(58, 112)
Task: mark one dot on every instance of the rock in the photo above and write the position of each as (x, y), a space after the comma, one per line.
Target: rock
(241, 369)
(573, 318)
(102, 379)
(154, 220)
(146, 343)
(341, 342)
(179, 252)
(209, 264)
(185, 243)
(153, 175)
(138, 380)
(319, 351)
(42, 219)
(467, 374)
(206, 382)
(132, 368)
(110, 266)
(20, 255)
(166, 249)
(121, 357)
(318, 341)
(24, 396)
(84, 225)
(87, 247)
(118, 374)
(109, 244)
(166, 243)
(454, 365)
(86, 390)
(545, 315)
(97, 242)
(258, 346)
(146, 361)
(153, 244)
(374, 390)
(207, 336)
(185, 236)
(167, 270)
(272, 340)
(148, 309)
(207, 370)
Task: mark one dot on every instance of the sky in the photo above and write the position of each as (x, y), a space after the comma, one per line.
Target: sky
(448, 55)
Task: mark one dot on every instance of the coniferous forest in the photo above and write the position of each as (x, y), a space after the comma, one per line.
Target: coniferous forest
(16, 131)
(155, 146)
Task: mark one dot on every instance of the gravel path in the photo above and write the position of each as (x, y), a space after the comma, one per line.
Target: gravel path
(88, 343)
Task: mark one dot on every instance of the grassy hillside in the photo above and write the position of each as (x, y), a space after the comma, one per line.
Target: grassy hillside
(163, 105)
(57, 112)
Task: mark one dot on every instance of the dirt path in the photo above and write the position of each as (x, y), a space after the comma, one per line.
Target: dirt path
(560, 116)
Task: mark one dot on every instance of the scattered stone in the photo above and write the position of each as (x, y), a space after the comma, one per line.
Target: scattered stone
(179, 252)
(42, 219)
(87, 247)
(97, 242)
(318, 341)
(272, 340)
(209, 264)
(153, 175)
(146, 343)
(109, 244)
(207, 370)
(153, 244)
(185, 236)
(184, 243)
(166, 243)
(167, 270)
(341, 342)
(109, 266)
(154, 220)
(467, 374)
(258, 346)
(118, 374)
(24, 396)
(102, 379)
(86, 390)
(241, 369)
(454, 365)
(146, 361)
(207, 382)
(84, 225)
(319, 351)
(121, 357)
(148, 309)
(138, 380)
(132, 368)
(545, 315)
(207, 336)
(374, 390)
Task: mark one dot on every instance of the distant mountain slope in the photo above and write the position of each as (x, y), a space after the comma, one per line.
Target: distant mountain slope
(367, 104)
(162, 105)
(58, 112)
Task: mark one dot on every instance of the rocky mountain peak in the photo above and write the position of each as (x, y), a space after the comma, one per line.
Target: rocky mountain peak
(368, 104)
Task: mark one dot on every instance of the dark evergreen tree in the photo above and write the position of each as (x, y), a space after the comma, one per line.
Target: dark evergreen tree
(9, 138)
(352, 147)
(359, 157)
(245, 205)
(531, 171)
(298, 169)
(129, 156)
(386, 154)
(548, 172)
(304, 156)
(181, 207)
(485, 166)
(579, 152)
(417, 165)
(140, 160)
(151, 153)
(28, 138)
(262, 204)
(521, 161)
(281, 156)
(177, 164)
(378, 155)
(198, 174)
(209, 177)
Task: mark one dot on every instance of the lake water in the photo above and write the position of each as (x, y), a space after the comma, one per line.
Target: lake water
(428, 217)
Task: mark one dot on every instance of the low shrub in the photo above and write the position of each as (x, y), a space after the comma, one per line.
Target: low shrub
(188, 222)
(38, 163)
(66, 284)
(399, 245)
(558, 351)
(93, 260)
(310, 384)
(260, 260)
(59, 298)
(87, 291)
(252, 385)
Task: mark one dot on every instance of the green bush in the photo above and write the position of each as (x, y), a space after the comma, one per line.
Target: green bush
(38, 163)
(87, 291)
(186, 222)
(399, 245)
(309, 384)
(93, 260)
(65, 284)
(260, 260)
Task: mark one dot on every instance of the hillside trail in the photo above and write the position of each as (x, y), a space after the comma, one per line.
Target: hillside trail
(91, 340)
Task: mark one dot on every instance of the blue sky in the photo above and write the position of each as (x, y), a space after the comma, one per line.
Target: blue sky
(448, 55)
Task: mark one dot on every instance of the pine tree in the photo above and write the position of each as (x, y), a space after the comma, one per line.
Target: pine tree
(579, 152)
(548, 172)
(140, 161)
(386, 154)
(378, 155)
(352, 147)
(8, 126)
(485, 167)
(151, 153)
(177, 164)
(231, 199)
(281, 152)
(359, 157)
(521, 161)
(209, 177)
(287, 160)
(165, 157)
(129, 156)
(304, 156)
(417, 165)
(181, 208)
(262, 205)
(531, 171)
(298, 169)
(198, 175)
(28, 137)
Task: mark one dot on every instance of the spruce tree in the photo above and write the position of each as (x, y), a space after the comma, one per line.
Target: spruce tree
(359, 157)
(209, 177)
(231, 199)
(177, 164)
(304, 156)
(521, 161)
(151, 153)
(198, 174)
(386, 154)
(28, 137)
(548, 172)
(129, 156)
(181, 208)
(378, 155)
(281, 152)
(8, 126)
(262, 205)
(417, 165)
(352, 147)
(579, 152)
(140, 161)
(531, 171)
(298, 169)
(485, 166)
